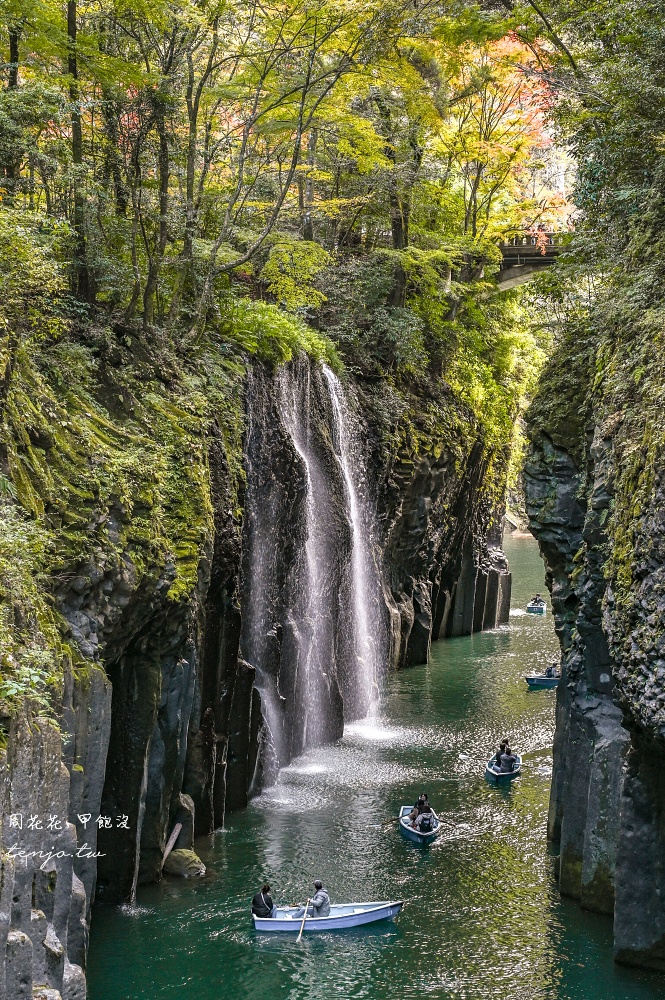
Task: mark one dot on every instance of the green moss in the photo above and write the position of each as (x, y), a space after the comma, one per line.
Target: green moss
(561, 407)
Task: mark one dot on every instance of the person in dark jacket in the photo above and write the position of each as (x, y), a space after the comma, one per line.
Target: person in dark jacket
(496, 764)
(262, 904)
(425, 819)
(508, 761)
(420, 806)
(319, 904)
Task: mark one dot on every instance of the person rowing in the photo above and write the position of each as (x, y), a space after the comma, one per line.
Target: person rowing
(319, 904)
(496, 760)
(507, 761)
(424, 821)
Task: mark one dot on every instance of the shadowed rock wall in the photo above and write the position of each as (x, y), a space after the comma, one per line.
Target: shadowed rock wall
(51, 791)
(596, 507)
(437, 497)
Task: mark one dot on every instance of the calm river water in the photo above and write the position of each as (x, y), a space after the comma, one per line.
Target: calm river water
(482, 919)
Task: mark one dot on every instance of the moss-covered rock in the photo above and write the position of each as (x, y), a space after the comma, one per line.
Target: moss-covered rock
(186, 864)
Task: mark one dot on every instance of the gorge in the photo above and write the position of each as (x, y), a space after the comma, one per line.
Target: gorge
(264, 392)
(208, 696)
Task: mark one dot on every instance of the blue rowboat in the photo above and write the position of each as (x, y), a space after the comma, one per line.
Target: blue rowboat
(541, 681)
(535, 609)
(342, 915)
(502, 777)
(414, 835)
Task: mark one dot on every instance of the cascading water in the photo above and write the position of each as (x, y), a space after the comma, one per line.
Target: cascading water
(313, 627)
(313, 611)
(368, 626)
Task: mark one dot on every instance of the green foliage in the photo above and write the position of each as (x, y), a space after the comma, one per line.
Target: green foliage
(373, 336)
(33, 285)
(30, 644)
(290, 271)
(263, 329)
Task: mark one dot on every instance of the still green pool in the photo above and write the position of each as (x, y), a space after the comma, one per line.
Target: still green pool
(482, 919)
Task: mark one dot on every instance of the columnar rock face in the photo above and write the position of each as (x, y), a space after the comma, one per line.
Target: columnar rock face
(590, 741)
(596, 507)
(51, 792)
(480, 598)
(443, 566)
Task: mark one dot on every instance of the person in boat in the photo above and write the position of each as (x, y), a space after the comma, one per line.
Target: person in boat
(507, 761)
(422, 802)
(262, 904)
(424, 821)
(319, 904)
(538, 600)
(496, 763)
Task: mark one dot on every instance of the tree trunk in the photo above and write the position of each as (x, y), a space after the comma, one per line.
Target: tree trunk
(14, 35)
(154, 268)
(13, 163)
(308, 201)
(81, 278)
(112, 159)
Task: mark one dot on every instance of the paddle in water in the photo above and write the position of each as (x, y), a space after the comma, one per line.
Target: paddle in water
(302, 926)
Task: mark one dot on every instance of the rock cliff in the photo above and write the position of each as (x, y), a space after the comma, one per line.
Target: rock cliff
(51, 780)
(593, 484)
(169, 607)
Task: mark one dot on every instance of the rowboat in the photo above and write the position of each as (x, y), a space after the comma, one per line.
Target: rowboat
(542, 681)
(342, 915)
(503, 777)
(533, 608)
(414, 835)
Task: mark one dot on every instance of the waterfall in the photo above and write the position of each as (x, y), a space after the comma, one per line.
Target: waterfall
(313, 615)
(368, 626)
(312, 629)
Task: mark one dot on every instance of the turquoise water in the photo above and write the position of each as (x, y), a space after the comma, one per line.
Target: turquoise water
(482, 919)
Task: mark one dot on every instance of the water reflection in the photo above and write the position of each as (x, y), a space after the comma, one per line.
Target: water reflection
(482, 920)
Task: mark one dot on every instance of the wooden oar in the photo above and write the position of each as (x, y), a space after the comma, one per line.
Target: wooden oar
(302, 926)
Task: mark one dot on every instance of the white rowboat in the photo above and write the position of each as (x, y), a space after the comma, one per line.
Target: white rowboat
(414, 835)
(342, 915)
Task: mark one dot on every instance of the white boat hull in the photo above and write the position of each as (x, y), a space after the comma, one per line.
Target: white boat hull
(341, 916)
(541, 681)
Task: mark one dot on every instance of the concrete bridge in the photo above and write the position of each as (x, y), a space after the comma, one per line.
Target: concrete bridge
(525, 255)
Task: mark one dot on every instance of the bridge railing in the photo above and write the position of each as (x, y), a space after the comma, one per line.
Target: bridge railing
(539, 238)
